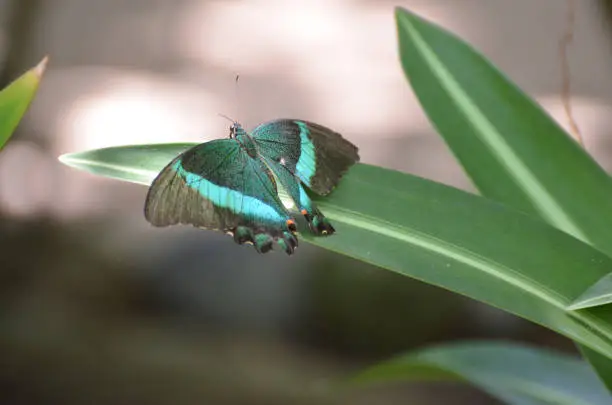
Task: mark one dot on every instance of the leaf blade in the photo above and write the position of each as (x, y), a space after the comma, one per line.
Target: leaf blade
(498, 132)
(571, 188)
(516, 374)
(439, 235)
(138, 164)
(16, 98)
(599, 293)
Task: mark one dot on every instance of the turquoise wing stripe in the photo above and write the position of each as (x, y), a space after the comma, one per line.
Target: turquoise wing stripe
(305, 200)
(220, 185)
(317, 155)
(306, 165)
(225, 197)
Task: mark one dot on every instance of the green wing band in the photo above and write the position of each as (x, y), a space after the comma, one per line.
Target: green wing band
(217, 185)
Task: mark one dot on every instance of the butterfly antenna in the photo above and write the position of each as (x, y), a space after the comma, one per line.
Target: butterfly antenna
(236, 99)
(234, 122)
(226, 117)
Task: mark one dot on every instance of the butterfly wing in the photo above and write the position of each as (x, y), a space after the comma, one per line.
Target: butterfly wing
(315, 154)
(217, 185)
(317, 222)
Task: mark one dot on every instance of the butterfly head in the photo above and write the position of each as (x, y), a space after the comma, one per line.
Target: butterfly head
(235, 129)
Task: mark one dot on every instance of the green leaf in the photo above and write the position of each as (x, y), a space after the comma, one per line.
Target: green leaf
(514, 152)
(15, 100)
(599, 293)
(137, 163)
(437, 234)
(515, 374)
(602, 365)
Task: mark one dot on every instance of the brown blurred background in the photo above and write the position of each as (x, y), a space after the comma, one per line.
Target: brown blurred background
(97, 307)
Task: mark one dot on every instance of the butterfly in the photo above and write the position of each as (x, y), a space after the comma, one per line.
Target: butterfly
(232, 184)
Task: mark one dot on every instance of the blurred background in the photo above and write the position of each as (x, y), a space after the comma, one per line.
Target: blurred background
(98, 307)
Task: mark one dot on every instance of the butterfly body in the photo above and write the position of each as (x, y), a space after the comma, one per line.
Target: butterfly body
(232, 184)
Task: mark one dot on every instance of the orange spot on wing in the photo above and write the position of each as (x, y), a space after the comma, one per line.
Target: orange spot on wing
(291, 225)
(304, 212)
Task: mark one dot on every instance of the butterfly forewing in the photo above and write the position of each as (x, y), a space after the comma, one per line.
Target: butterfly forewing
(217, 185)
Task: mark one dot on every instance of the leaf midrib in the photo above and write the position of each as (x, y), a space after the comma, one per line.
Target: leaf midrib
(446, 249)
(119, 168)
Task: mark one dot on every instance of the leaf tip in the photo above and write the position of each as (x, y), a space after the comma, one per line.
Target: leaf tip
(576, 306)
(584, 303)
(399, 11)
(65, 159)
(39, 69)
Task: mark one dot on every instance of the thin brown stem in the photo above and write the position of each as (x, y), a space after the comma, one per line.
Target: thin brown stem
(564, 44)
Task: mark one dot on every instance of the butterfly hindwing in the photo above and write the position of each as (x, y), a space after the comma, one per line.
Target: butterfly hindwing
(315, 154)
(217, 185)
(317, 222)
